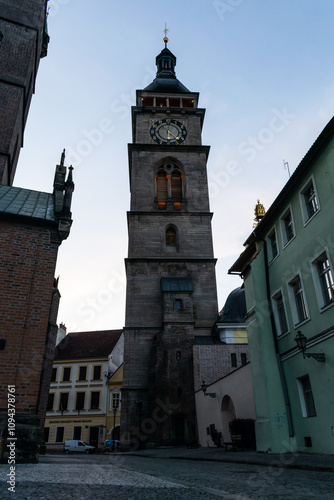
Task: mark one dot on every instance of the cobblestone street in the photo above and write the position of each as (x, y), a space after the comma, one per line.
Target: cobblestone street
(160, 477)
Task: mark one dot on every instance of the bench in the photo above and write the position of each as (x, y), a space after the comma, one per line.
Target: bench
(234, 443)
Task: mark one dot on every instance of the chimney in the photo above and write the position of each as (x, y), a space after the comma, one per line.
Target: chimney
(61, 334)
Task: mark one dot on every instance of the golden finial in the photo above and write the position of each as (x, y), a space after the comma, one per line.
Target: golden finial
(259, 212)
(165, 37)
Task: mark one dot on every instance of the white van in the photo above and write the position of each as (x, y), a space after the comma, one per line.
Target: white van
(73, 445)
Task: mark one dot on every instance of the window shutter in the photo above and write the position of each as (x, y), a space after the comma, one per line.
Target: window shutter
(161, 188)
(176, 187)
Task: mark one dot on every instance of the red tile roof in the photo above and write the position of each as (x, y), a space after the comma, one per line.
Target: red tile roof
(87, 344)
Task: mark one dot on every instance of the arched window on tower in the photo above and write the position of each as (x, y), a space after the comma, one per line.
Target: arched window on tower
(171, 237)
(169, 187)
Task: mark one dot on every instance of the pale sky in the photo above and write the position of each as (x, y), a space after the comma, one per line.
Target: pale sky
(265, 75)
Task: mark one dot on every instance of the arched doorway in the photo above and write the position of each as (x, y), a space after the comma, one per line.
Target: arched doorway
(228, 414)
(115, 432)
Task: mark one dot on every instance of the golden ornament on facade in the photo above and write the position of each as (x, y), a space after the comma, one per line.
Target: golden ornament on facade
(259, 212)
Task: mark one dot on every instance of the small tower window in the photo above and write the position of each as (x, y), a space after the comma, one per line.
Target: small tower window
(178, 304)
(188, 103)
(174, 102)
(161, 101)
(147, 101)
(171, 237)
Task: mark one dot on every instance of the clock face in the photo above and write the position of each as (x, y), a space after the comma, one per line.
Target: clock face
(168, 131)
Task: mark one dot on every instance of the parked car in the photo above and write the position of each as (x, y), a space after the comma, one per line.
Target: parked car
(73, 445)
(109, 445)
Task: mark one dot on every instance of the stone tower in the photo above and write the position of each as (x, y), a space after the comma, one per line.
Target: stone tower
(23, 41)
(171, 284)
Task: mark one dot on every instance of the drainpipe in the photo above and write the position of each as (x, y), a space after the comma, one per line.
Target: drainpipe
(274, 332)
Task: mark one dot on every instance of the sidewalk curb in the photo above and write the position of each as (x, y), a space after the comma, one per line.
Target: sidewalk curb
(274, 463)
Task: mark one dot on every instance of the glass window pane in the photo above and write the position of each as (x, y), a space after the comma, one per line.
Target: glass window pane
(326, 280)
(311, 201)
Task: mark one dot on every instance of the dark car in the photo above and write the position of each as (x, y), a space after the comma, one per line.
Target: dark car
(109, 445)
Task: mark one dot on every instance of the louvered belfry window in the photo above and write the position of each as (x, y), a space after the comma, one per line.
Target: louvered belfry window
(169, 187)
(161, 189)
(177, 189)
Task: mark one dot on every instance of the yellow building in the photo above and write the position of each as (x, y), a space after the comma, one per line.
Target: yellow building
(79, 391)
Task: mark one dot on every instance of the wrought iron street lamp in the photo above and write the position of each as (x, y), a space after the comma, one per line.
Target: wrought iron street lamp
(300, 340)
(113, 431)
(204, 387)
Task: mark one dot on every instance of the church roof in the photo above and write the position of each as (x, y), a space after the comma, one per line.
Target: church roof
(28, 203)
(234, 309)
(87, 344)
(167, 85)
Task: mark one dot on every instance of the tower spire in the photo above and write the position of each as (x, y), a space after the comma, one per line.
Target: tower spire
(165, 37)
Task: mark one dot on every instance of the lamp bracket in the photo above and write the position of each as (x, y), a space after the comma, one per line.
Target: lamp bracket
(211, 394)
(316, 355)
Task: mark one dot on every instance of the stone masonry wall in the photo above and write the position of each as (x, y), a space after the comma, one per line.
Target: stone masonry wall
(212, 362)
(21, 29)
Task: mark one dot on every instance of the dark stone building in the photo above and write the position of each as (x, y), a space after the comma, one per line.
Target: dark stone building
(32, 226)
(23, 41)
(171, 285)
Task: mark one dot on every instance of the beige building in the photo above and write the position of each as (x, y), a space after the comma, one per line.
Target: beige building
(231, 398)
(79, 395)
(224, 392)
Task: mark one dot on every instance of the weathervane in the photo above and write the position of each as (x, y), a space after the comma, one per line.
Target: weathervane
(165, 37)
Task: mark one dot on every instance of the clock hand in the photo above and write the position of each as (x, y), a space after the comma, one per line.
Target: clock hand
(169, 132)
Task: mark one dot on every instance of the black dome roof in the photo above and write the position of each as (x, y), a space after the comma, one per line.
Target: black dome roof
(234, 309)
(169, 85)
(166, 80)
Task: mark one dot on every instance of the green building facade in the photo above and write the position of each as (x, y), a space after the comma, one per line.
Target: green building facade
(287, 267)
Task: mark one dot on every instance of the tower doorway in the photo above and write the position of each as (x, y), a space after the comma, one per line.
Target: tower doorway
(178, 429)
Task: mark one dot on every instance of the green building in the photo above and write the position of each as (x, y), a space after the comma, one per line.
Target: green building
(287, 267)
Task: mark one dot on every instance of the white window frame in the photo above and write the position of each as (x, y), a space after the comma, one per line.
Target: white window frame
(302, 398)
(271, 256)
(306, 217)
(285, 241)
(292, 299)
(115, 391)
(317, 279)
(274, 300)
